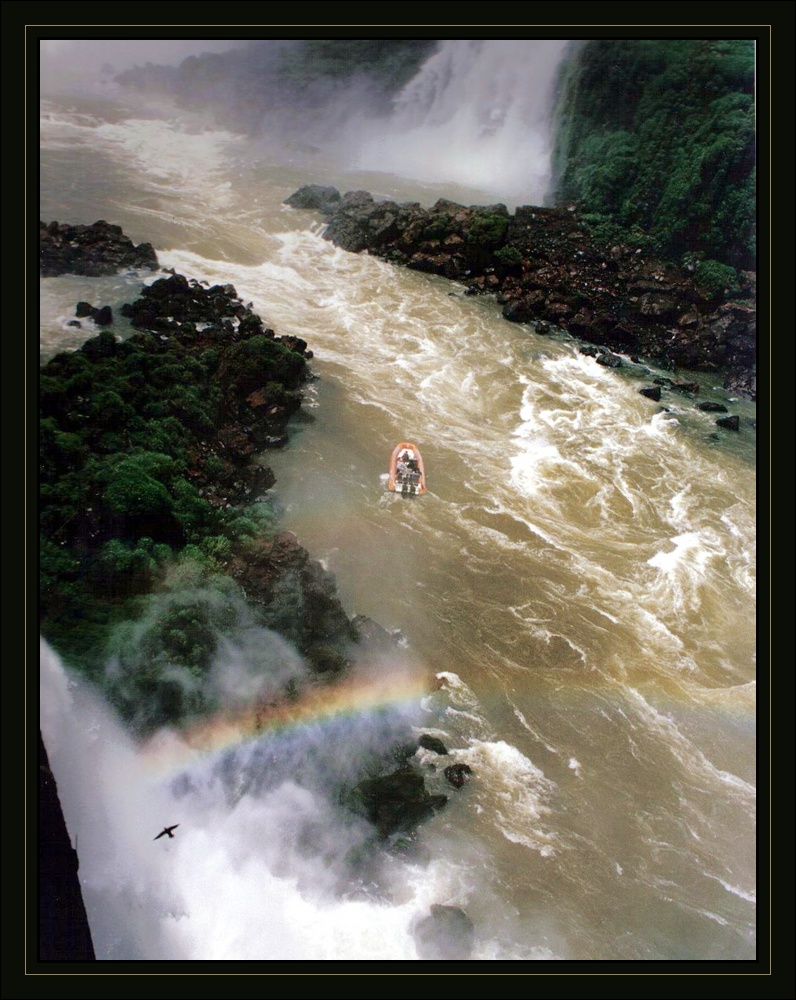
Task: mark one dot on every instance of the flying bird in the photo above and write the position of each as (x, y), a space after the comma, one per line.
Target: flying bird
(167, 831)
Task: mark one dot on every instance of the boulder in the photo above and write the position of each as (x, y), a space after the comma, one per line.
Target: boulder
(651, 392)
(458, 774)
(314, 196)
(432, 743)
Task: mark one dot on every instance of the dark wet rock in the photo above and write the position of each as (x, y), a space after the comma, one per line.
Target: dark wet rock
(94, 250)
(690, 388)
(102, 316)
(608, 360)
(432, 743)
(732, 423)
(259, 374)
(314, 196)
(710, 407)
(446, 934)
(458, 774)
(75, 323)
(651, 392)
(395, 802)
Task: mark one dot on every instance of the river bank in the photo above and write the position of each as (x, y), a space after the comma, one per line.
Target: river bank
(546, 268)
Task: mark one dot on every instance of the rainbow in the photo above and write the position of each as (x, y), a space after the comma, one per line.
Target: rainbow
(323, 703)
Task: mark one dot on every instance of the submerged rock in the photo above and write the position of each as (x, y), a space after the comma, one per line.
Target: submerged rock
(447, 933)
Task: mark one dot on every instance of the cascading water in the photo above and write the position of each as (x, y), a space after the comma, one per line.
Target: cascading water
(575, 594)
(478, 114)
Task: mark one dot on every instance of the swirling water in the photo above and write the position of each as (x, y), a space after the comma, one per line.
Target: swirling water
(576, 593)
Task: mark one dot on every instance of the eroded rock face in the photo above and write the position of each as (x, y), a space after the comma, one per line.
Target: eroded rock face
(446, 934)
(94, 250)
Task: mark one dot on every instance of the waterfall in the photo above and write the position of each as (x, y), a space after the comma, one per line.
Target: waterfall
(479, 114)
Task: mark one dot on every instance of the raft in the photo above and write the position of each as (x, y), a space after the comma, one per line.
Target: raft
(407, 471)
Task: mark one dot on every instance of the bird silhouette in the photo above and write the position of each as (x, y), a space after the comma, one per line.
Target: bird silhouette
(167, 831)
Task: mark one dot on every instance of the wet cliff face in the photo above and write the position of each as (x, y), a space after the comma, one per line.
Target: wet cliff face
(64, 933)
(547, 266)
(660, 134)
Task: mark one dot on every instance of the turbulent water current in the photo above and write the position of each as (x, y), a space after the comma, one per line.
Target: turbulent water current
(575, 597)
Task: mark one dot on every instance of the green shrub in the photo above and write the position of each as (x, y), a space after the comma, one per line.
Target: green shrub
(509, 256)
(660, 134)
(488, 229)
(716, 279)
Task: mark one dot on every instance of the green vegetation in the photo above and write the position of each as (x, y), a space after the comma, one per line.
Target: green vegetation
(488, 230)
(509, 256)
(133, 480)
(160, 660)
(716, 279)
(660, 134)
(486, 234)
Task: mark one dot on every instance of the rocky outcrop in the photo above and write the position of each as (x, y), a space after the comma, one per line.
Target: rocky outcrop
(198, 392)
(102, 316)
(260, 382)
(94, 250)
(315, 196)
(546, 269)
(395, 803)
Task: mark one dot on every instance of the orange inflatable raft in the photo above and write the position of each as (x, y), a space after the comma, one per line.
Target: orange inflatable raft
(407, 472)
